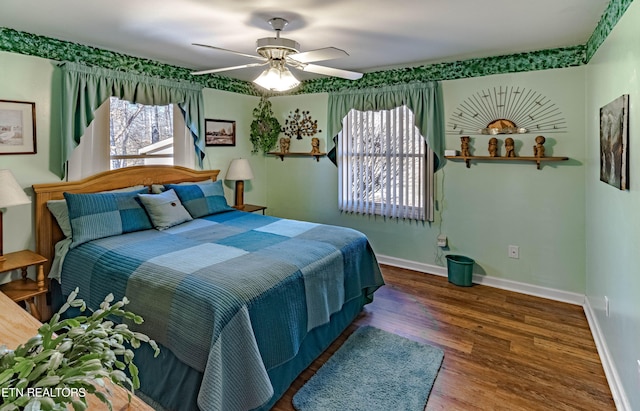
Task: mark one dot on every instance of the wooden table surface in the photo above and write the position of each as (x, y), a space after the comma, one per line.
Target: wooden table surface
(17, 326)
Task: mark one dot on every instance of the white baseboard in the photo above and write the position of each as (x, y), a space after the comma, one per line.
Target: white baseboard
(617, 389)
(504, 284)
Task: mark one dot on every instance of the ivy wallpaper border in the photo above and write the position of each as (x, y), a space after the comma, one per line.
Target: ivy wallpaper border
(59, 50)
(610, 17)
(512, 63)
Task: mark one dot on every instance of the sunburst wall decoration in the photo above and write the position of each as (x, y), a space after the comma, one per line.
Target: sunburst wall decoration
(506, 110)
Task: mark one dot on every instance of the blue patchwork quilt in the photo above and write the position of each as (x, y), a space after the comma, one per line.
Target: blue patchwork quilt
(232, 295)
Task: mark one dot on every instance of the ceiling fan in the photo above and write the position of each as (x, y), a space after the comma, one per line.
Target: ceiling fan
(278, 53)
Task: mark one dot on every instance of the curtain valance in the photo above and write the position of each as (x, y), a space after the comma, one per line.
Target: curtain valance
(85, 88)
(424, 100)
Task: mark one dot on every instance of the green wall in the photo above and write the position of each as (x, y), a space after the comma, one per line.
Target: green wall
(482, 209)
(24, 78)
(493, 205)
(225, 105)
(613, 222)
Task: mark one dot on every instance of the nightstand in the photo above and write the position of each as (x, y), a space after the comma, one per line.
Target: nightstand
(250, 208)
(24, 289)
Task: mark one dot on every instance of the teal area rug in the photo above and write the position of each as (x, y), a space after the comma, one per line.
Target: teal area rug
(373, 370)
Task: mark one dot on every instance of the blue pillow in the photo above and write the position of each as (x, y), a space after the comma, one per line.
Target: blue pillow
(101, 215)
(201, 199)
(59, 208)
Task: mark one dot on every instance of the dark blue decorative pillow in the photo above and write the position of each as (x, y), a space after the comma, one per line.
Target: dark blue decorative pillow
(201, 199)
(101, 215)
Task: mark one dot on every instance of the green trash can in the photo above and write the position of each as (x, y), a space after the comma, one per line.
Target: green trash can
(460, 270)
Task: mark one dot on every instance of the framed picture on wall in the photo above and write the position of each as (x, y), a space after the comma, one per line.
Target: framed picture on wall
(614, 140)
(220, 133)
(17, 127)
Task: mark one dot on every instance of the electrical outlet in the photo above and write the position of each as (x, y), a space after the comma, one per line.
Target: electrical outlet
(514, 251)
(606, 305)
(442, 241)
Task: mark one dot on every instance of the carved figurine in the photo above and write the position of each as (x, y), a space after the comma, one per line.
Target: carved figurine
(509, 147)
(464, 146)
(493, 147)
(538, 149)
(315, 145)
(285, 142)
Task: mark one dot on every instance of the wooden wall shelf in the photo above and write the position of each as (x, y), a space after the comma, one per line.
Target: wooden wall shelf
(536, 160)
(283, 155)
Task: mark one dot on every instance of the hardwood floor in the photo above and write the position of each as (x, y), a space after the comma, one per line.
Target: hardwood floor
(503, 350)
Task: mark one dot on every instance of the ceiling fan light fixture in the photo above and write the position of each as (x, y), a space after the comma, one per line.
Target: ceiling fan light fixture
(277, 78)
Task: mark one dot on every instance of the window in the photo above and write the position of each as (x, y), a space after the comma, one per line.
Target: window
(106, 145)
(384, 165)
(139, 134)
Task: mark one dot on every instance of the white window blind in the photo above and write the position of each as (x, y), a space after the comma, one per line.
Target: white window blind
(384, 165)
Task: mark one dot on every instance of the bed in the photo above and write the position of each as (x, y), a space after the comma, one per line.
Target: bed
(240, 303)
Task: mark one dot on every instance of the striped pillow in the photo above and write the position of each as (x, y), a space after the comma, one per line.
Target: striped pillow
(202, 199)
(101, 215)
(59, 208)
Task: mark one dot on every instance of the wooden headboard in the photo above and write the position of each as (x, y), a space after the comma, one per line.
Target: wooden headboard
(47, 231)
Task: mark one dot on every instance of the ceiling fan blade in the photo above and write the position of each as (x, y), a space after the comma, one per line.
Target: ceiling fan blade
(327, 53)
(329, 71)
(230, 51)
(218, 70)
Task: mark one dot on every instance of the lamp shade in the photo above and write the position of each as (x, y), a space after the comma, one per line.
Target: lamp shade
(239, 169)
(277, 78)
(11, 194)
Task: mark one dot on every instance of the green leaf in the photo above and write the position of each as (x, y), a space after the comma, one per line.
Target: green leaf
(133, 370)
(9, 407)
(78, 405)
(46, 403)
(102, 397)
(73, 295)
(48, 381)
(72, 322)
(22, 384)
(38, 371)
(24, 368)
(6, 375)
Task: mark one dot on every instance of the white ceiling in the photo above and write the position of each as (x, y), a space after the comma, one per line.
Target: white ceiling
(377, 34)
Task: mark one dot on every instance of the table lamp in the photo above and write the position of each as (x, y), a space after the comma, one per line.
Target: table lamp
(11, 194)
(239, 170)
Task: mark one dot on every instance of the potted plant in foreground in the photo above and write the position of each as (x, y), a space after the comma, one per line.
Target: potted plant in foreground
(70, 358)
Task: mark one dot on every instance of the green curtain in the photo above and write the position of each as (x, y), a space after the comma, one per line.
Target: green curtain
(85, 88)
(424, 100)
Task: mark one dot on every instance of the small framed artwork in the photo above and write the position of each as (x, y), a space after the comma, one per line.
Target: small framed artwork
(614, 140)
(17, 127)
(220, 133)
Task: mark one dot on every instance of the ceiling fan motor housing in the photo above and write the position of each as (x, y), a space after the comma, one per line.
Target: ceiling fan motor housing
(276, 47)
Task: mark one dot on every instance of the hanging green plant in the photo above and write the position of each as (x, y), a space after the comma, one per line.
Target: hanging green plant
(300, 124)
(265, 128)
